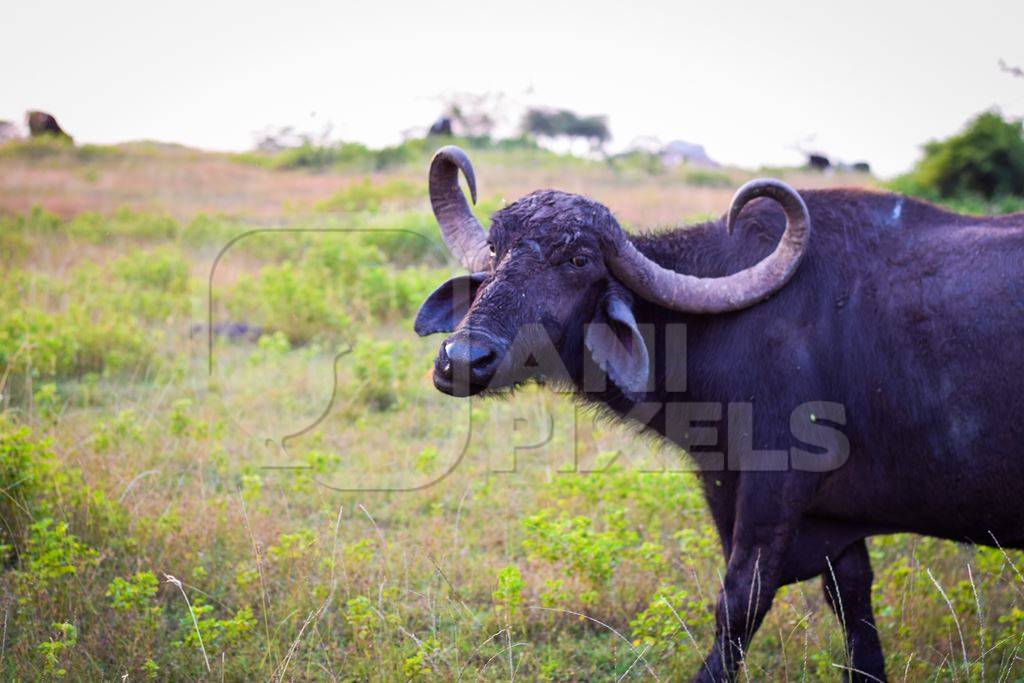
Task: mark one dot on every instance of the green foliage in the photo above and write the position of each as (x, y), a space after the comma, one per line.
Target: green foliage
(207, 230)
(574, 541)
(669, 620)
(216, 633)
(317, 156)
(639, 161)
(26, 469)
(703, 178)
(555, 123)
(980, 169)
(51, 553)
(366, 196)
(47, 401)
(95, 322)
(353, 156)
(379, 369)
(361, 618)
(123, 430)
(56, 148)
(123, 224)
(292, 546)
(54, 649)
(290, 299)
(508, 597)
(181, 423)
(135, 594)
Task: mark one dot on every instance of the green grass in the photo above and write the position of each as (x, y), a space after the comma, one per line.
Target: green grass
(165, 523)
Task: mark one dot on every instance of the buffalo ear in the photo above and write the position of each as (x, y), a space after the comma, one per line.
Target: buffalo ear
(447, 305)
(616, 344)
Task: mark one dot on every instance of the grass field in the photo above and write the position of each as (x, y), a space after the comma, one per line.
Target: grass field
(301, 504)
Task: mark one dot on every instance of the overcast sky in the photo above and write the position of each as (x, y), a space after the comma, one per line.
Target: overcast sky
(748, 80)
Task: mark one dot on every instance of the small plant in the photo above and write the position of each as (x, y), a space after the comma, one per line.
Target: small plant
(670, 619)
(123, 430)
(365, 196)
(134, 594)
(181, 423)
(704, 178)
(56, 648)
(361, 619)
(51, 553)
(48, 402)
(292, 546)
(380, 369)
(508, 597)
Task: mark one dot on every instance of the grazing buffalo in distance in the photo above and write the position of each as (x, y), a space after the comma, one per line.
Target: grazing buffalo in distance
(41, 123)
(442, 126)
(864, 376)
(818, 162)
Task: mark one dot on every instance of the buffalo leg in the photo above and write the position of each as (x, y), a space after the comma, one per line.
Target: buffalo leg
(847, 586)
(762, 533)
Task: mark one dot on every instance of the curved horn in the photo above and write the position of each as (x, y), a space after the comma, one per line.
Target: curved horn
(460, 229)
(731, 292)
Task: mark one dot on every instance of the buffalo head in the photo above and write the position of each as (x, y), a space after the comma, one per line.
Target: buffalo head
(556, 274)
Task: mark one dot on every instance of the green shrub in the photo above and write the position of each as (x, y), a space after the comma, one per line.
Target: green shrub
(26, 470)
(135, 594)
(380, 368)
(51, 553)
(37, 148)
(54, 649)
(669, 620)
(289, 299)
(38, 344)
(638, 161)
(704, 178)
(206, 230)
(124, 223)
(366, 196)
(508, 597)
(985, 160)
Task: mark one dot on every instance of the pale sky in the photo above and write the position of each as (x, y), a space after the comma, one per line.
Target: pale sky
(859, 80)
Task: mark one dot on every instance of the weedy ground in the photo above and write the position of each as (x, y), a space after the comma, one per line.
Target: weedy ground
(296, 502)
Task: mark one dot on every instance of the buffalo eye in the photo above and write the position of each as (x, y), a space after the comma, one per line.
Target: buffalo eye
(492, 250)
(579, 261)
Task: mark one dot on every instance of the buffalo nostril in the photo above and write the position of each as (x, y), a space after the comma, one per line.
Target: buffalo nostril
(471, 358)
(483, 357)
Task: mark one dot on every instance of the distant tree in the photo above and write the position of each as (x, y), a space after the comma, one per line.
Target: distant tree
(986, 159)
(562, 123)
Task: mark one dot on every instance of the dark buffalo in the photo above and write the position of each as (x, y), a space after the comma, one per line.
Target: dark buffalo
(441, 127)
(866, 379)
(818, 162)
(41, 123)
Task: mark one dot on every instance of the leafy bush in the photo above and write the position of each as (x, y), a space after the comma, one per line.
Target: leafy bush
(986, 160)
(26, 469)
(42, 345)
(124, 223)
(365, 196)
(55, 147)
(508, 597)
(380, 369)
(704, 178)
(289, 299)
